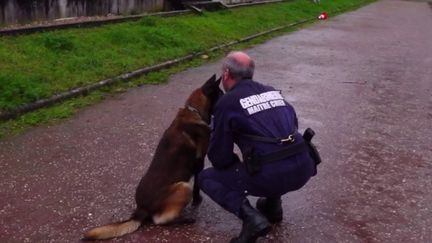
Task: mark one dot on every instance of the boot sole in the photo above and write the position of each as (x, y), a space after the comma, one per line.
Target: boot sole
(275, 220)
(264, 231)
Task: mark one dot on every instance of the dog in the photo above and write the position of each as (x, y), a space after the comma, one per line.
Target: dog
(164, 191)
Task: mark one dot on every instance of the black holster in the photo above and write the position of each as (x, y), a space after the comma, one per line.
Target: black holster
(313, 151)
(251, 161)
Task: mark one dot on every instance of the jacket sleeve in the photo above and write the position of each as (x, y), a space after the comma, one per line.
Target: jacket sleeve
(220, 152)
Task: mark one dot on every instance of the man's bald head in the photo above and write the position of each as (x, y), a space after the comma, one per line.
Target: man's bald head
(240, 57)
(239, 65)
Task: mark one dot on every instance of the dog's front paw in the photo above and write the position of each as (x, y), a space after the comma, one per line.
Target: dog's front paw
(197, 200)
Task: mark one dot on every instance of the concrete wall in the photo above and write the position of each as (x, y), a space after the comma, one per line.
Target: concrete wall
(24, 11)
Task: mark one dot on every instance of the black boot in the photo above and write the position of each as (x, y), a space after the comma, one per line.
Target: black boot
(271, 208)
(254, 225)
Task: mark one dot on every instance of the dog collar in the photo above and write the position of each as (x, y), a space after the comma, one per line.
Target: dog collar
(193, 109)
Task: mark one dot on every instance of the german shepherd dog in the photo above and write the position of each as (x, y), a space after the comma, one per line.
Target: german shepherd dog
(164, 191)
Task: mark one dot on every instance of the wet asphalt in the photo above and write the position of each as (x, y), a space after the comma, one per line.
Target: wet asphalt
(362, 80)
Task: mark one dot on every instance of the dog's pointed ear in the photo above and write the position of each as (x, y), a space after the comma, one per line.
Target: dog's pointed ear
(208, 86)
(218, 81)
(212, 78)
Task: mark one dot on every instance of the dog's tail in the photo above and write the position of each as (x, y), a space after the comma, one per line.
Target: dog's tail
(112, 230)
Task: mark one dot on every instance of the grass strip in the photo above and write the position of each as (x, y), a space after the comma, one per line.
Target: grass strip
(39, 65)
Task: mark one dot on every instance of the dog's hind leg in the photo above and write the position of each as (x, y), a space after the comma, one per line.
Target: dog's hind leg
(180, 196)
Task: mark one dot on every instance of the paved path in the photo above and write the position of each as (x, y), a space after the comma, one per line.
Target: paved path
(362, 80)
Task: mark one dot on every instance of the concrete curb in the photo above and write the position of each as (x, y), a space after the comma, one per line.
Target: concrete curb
(255, 3)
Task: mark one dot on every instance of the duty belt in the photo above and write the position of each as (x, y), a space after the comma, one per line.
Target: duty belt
(286, 152)
(254, 161)
(283, 153)
(289, 139)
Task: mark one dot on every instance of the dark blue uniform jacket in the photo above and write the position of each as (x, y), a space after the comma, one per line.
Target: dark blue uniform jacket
(256, 109)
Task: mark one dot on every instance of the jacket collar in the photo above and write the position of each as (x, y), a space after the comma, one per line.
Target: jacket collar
(240, 83)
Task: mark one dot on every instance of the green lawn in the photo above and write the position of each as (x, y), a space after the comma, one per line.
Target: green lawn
(39, 65)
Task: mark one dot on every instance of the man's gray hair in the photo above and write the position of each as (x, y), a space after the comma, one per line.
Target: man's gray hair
(238, 70)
